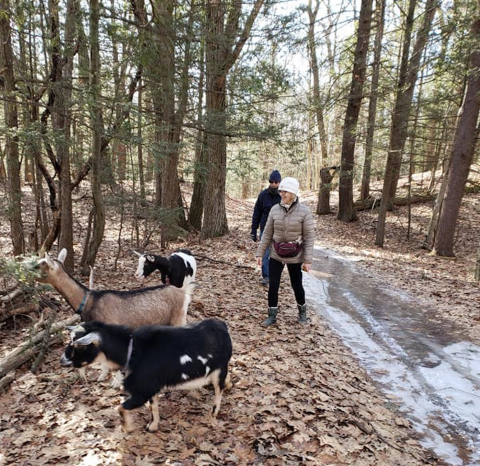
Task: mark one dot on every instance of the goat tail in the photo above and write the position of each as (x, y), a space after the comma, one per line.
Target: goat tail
(189, 288)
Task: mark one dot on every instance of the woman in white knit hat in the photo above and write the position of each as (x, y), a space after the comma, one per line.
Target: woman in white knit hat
(290, 235)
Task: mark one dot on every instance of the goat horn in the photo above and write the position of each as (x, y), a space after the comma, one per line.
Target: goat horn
(77, 328)
(93, 337)
(62, 255)
(138, 254)
(49, 260)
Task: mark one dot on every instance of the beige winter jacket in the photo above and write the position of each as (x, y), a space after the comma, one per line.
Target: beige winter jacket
(283, 225)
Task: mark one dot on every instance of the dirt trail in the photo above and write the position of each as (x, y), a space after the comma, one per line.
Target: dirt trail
(299, 396)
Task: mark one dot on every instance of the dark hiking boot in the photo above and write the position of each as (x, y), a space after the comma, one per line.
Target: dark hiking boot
(265, 281)
(272, 317)
(302, 313)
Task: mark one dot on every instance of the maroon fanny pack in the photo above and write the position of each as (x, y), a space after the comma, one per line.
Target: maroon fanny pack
(287, 249)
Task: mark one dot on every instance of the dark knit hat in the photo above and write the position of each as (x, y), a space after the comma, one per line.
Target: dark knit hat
(275, 176)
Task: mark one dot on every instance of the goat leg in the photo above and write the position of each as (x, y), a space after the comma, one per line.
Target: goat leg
(155, 418)
(128, 424)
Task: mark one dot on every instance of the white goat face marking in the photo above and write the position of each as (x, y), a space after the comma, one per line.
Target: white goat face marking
(207, 370)
(210, 355)
(141, 265)
(184, 359)
(185, 376)
(203, 360)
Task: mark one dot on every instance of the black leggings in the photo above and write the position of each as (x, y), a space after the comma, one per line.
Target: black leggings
(275, 269)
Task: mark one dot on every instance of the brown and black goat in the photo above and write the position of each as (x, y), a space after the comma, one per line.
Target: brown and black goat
(160, 305)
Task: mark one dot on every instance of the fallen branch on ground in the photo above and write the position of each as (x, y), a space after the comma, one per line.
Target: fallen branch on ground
(372, 203)
(31, 347)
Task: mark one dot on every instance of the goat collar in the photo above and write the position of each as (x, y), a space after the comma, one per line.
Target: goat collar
(82, 304)
(129, 355)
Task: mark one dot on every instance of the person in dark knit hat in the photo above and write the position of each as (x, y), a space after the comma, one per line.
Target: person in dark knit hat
(265, 201)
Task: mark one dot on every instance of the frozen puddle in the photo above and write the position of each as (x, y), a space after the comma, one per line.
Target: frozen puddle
(422, 363)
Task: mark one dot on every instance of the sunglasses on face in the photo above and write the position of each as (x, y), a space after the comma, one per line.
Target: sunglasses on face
(274, 182)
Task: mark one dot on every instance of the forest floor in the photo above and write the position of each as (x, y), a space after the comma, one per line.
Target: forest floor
(299, 395)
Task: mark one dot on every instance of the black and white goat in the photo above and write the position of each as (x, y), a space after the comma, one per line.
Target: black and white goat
(154, 358)
(162, 305)
(178, 270)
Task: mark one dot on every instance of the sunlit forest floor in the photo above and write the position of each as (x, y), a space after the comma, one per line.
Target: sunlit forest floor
(299, 396)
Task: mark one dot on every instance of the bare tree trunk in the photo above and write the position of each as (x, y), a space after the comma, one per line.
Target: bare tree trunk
(346, 210)
(476, 273)
(97, 125)
(222, 51)
(317, 99)
(372, 105)
(64, 117)
(326, 176)
(463, 150)
(196, 205)
(141, 174)
(11, 122)
(406, 86)
(433, 224)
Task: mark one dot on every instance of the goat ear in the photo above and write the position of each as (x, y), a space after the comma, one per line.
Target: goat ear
(62, 255)
(91, 338)
(150, 258)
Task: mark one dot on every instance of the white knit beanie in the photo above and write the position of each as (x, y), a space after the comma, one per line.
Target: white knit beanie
(289, 184)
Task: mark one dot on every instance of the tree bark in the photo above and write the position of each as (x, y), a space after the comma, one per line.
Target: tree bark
(346, 211)
(406, 86)
(326, 176)
(64, 118)
(11, 122)
(372, 105)
(463, 150)
(317, 99)
(200, 169)
(437, 208)
(222, 51)
(97, 125)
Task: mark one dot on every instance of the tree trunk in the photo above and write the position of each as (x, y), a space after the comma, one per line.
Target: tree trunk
(372, 105)
(222, 51)
(317, 100)
(63, 106)
(200, 169)
(346, 211)
(463, 150)
(200, 180)
(11, 122)
(141, 173)
(97, 125)
(433, 225)
(405, 89)
(326, 176)
(476, 273)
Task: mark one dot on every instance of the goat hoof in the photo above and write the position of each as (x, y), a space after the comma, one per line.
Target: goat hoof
(152, 427)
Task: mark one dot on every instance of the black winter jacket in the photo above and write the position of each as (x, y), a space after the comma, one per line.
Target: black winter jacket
(262, 208)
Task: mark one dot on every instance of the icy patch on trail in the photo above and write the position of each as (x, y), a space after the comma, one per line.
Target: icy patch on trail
(439, 401)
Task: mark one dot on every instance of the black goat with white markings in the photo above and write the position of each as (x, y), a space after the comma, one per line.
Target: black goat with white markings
(178, 270)
(156, 357)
